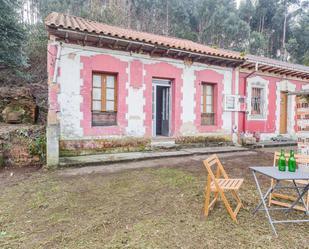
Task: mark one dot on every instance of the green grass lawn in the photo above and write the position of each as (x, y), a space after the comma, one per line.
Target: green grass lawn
(150, 208)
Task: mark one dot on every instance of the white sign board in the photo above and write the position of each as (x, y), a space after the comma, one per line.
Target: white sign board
(233, 102)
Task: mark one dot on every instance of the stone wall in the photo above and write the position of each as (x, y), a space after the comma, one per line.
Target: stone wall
(97, 146)
(22, 145)
(204, 141)
(17, 105)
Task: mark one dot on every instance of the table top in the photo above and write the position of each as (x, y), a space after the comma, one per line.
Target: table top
(302, 173)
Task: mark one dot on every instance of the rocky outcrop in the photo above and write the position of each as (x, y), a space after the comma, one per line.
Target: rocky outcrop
(17, 105)
(22, 145)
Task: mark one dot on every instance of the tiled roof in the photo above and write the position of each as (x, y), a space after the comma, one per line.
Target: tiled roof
(59, 20)
(276, 63)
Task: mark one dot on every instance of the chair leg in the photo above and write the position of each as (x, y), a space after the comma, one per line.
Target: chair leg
(236, 211)
(206, 206)
(207, 197)
(236, 196)
(239, 203)
(270, 195)
(228, 206)
(215, 199)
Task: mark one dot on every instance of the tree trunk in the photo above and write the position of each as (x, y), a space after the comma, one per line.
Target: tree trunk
(167, 18)
(129, 13)
(284, 57)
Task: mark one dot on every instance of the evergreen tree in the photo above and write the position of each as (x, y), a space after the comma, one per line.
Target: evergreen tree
(12, 36)
(273, 28)
(298, 44)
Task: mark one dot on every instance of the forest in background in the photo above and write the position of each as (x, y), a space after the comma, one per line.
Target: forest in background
(273, 28)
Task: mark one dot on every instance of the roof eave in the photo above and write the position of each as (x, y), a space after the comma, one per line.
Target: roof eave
(68, 34)
(276, 69)
(299, 93)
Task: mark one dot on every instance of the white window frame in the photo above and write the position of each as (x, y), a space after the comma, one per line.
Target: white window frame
(258, 82)
(228, 98)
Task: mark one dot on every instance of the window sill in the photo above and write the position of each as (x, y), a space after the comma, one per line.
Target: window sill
(104, 126)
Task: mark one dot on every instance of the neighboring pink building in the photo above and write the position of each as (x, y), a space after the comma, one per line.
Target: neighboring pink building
(108, 84)
(270, 82)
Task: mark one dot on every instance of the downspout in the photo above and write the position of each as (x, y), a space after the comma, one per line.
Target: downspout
(245, 91)
(57, 63)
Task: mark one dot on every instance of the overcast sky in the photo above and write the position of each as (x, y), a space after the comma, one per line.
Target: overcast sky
(238, 1)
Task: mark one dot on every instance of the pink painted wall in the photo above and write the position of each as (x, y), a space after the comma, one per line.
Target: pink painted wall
(108, 64)
(269, 125)
(209, 76)
(136, 73)
(144, 74)
(53, 88)
(165, 71)
(233, 92)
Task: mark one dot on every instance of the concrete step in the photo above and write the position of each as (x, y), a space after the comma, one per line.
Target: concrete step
(163, 144)
(103, 159)
(268, 144)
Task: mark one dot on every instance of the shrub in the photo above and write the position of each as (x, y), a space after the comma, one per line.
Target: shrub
(37, 147)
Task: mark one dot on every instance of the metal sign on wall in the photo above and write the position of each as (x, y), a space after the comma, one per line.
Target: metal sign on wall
(234, 103)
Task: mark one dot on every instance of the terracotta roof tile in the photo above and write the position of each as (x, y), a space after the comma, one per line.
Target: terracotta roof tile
(59, 20)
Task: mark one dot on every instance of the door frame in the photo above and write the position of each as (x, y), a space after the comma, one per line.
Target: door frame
(160, 82)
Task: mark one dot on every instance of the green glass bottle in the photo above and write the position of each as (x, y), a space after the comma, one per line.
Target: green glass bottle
(282, 162)
(292, 162)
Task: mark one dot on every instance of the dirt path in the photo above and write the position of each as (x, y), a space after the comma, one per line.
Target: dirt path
(172, 162)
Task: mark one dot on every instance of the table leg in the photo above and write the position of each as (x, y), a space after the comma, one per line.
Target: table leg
(264, 203)
(270, 190)
(300, 197)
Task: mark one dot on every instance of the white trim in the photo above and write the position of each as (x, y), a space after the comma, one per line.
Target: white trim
(236, 92)
(286, 86)
(166, 83)
(305, 87)
(258, 82)
(57, 63)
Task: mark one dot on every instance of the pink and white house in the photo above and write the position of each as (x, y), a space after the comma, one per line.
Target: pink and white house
(107, 82)
(270, 82)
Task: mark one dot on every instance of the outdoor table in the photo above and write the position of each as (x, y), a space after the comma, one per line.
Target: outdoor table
(274, 173)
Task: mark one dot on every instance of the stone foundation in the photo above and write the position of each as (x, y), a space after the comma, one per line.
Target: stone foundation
(203, 141)
(98, 146)
(52, 145)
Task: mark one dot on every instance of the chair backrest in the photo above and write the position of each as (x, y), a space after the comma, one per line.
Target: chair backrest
(300, 158)
(210, 163)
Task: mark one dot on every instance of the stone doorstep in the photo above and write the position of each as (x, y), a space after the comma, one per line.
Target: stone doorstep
(163, 143)
(268, 144)
(103, 159)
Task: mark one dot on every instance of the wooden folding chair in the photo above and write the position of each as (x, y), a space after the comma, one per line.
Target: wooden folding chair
(300, 160)
(219, 186)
